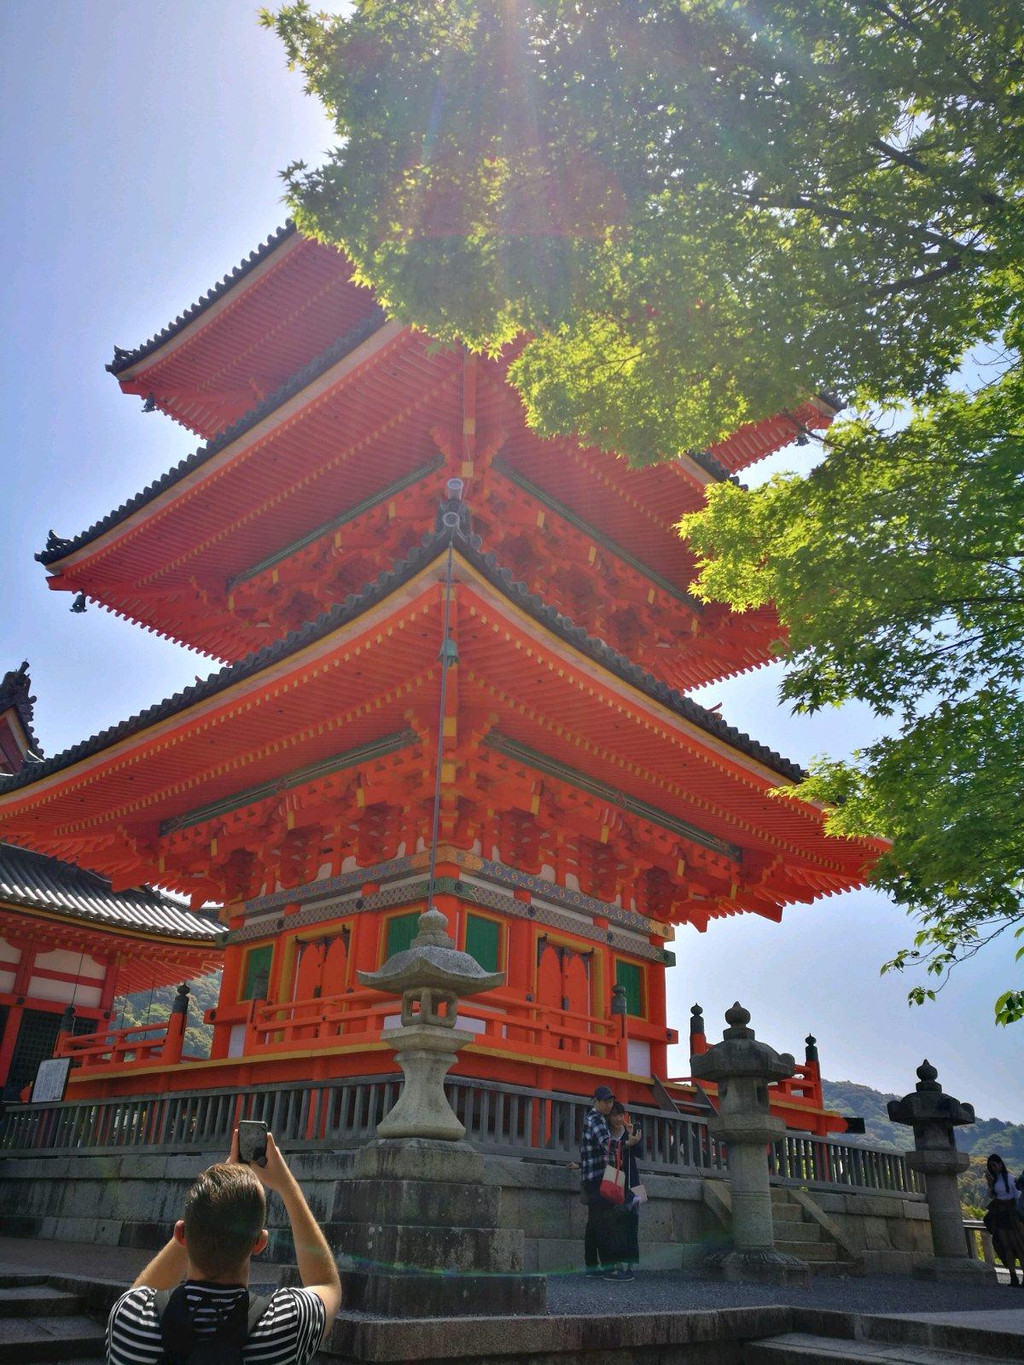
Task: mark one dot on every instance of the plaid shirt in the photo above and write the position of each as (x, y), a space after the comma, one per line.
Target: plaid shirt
(593, 1150)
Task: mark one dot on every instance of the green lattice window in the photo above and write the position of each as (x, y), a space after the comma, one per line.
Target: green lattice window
(483, 941)
(257, 972)
(36, 1037)
(401, 932)
(631, 977)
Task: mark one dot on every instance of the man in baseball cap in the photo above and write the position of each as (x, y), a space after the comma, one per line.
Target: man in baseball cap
(593, 1158)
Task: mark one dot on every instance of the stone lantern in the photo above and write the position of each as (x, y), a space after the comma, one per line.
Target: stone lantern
(430, 976)
(933, 1115)
(421, 1231)
(742, 1068)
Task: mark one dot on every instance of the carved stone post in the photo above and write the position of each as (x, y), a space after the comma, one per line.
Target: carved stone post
(933, 1116)
(741, 1067)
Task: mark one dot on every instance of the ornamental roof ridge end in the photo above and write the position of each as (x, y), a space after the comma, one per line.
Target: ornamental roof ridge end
(15, 693)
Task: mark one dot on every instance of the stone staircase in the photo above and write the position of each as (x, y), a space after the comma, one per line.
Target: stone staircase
(798, 1234)
(832, 1338)
(40, 1322)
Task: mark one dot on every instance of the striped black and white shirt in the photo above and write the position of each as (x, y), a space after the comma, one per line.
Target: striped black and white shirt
(288, 1333)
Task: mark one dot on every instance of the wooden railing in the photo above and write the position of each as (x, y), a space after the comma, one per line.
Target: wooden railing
(344, 1113)
(360, 1016)
(500, 1120)
(142, 1044)
(355, 1019)
(801, 1159)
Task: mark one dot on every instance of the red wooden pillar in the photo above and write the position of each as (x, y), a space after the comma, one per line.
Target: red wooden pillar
(232, 972)
(278, 990)
(657, 1013)
(14, 1015)
(365, 945)
(22, 976)
(446, 902)
(521, 951)
(812, 1073)
(231, 975)
(110, 987)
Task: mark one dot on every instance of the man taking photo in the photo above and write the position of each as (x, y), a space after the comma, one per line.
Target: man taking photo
(211, 1249)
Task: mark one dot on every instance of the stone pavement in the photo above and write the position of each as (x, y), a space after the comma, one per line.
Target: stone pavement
(621, 1310)
(666, 1291)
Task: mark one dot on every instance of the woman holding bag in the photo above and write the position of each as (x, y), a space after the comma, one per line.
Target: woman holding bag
(625, 1219)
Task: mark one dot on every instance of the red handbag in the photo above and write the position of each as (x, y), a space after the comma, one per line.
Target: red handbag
(613, 1182)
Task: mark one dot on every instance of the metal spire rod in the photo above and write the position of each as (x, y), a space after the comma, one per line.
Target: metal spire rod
(448, 656)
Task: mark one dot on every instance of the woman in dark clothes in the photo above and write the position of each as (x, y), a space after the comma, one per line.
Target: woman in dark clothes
(625, 1220)
(1002, 1218)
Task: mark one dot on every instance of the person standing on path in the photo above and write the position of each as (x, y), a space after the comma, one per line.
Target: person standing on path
(1002, 1217)
(625, 1221)
(597, 1240)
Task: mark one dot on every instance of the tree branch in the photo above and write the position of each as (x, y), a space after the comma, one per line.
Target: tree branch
(916, 164)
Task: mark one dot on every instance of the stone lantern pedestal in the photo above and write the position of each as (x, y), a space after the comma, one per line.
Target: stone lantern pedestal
(417, 1226)
(933, 1116)
(741, 1067)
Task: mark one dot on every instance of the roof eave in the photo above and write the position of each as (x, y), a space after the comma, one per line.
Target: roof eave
(126, 365)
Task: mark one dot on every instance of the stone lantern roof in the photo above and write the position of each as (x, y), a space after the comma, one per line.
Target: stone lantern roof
(432, 962)
(927, 1103)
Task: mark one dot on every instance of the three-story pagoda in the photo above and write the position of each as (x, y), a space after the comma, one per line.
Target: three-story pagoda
(455, 658)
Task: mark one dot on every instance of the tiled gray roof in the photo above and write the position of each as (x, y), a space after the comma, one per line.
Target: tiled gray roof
(38, 882)
(57, 546)
(432, 546)
(124, 359)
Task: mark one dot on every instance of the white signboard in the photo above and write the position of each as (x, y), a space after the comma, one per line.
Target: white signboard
(51, 1080)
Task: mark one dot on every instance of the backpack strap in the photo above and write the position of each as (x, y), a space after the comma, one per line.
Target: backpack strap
(178, 1331)
(258, 1305)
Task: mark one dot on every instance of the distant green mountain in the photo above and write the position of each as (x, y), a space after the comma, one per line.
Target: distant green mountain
(978, 1139)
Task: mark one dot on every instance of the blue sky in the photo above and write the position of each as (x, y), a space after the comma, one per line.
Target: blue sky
(140, 145)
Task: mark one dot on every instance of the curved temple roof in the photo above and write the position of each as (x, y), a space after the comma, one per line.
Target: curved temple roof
(432, 547)
(124, 360)
(39, 882)
(288, 286)
(57, 547)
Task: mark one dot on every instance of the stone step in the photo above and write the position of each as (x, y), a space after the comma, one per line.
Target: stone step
(809, 1251)
(798, 1232)
(37, 1300)
(33, 1341)
(427, 1295)
(834, 1270)
(12, 1280)
(786, 1213)
(994, 1335)
(801, 1348)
